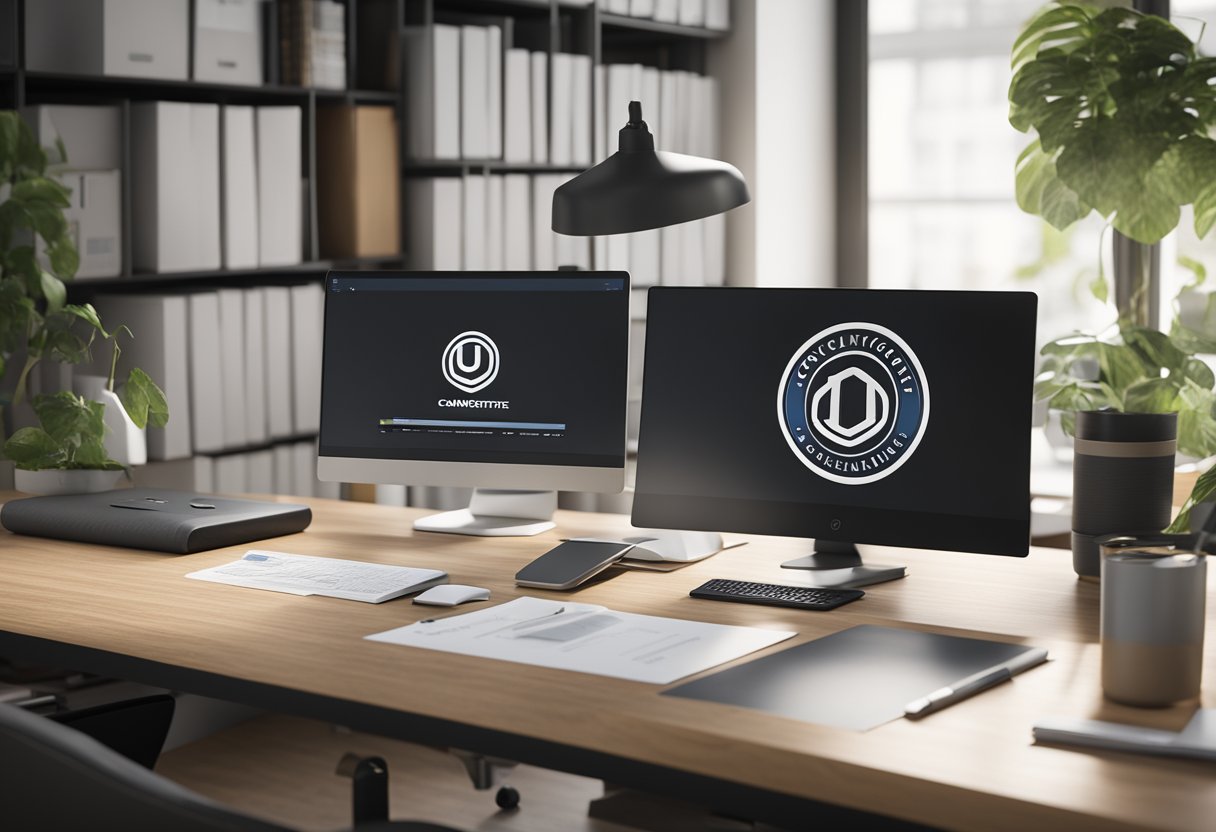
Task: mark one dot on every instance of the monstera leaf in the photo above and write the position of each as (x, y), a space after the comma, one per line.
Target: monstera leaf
(1121, 104)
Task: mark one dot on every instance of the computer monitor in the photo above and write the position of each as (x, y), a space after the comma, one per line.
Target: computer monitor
(899, 418)
(508, 380)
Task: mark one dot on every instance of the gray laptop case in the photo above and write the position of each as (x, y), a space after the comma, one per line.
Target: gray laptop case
(179, 522)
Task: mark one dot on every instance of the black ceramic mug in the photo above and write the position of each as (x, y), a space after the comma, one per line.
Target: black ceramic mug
(1122, 479)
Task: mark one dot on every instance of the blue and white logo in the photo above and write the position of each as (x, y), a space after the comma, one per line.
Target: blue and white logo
(853, 403)
(470, 361)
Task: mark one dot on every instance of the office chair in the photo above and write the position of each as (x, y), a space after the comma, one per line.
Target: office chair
(135, 728)
(54, 777)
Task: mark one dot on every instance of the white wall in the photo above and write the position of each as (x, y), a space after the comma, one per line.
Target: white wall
(778, 110)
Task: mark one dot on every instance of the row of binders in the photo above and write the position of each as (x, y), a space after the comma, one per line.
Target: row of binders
(285, 468)
(210, 186)
(681, 109)
(470, 100)
(182, 153)
(216, 186)
(710, 14)
(489, 222)
(492, 222)
(504, 221)
(240, 367)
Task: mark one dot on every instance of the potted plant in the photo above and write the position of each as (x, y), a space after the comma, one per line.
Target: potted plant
(1121, 105)
(82, 442)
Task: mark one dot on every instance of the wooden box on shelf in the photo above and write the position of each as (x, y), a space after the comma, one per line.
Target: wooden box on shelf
(358, 182)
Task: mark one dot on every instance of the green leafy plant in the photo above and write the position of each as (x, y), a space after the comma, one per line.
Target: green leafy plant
(33, 299)
(36, 319)
(1137, 369)
(1121, 104)
(72, 436)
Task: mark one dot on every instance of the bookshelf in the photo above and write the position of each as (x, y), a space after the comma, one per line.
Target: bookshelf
(376, 68)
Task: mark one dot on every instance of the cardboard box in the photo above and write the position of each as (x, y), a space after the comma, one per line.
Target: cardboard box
(358, 192)
(227, 41)
(135, 38)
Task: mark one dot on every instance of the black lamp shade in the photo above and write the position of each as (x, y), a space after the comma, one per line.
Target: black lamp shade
(638, 188)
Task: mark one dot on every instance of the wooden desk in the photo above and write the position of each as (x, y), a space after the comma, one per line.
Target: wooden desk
(970, 767)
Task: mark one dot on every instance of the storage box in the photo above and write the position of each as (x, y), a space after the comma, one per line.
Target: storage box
(92, 136)
(137, 38)
(358, 196)
(227, 41)
(175, 186)
(95, 221)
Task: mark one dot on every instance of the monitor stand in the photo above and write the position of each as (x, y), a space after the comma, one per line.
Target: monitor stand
(838, 564)
(496, 512)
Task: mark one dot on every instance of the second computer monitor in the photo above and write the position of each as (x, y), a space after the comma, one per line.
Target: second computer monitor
(884, 417)
(513, 380)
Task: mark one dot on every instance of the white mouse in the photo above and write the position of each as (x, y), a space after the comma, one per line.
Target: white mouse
(449, 595)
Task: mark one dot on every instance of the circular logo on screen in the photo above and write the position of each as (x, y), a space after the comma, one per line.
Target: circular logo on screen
(470, 361)
(853, 403)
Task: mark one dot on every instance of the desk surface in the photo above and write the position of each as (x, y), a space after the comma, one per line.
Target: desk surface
(972, 766)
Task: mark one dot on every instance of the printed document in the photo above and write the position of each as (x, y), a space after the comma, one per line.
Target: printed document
(305, 575)
(586, 638)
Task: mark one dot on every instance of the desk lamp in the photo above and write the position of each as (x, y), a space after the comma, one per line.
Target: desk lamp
(638, 188)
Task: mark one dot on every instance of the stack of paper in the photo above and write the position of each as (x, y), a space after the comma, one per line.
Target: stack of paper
(335, 578)
(587, 638)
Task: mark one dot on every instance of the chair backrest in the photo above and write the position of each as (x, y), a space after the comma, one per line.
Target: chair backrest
(53, 777)
(135, 728)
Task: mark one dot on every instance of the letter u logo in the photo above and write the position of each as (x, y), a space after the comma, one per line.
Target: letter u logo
(470, 361)
(460, 353)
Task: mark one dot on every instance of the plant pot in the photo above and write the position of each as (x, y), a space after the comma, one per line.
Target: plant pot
(125, 443)
(1123, 479)
(60, 481)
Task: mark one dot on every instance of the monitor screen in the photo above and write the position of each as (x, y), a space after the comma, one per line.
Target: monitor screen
(513, 379)
(887, 417)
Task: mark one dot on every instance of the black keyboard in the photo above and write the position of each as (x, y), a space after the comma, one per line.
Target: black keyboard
(776, 595)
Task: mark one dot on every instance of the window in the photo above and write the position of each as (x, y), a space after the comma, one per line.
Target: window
(941, 158)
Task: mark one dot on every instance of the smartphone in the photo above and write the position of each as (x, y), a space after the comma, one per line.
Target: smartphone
(571, 563)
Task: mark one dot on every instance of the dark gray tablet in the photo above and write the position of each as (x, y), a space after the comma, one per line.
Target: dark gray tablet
(177, 522)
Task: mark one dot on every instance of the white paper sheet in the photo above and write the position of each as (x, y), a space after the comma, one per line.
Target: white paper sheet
(304, 575)
(586, 638)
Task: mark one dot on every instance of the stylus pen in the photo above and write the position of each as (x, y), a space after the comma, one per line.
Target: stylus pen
(973, 684)
(947, 696)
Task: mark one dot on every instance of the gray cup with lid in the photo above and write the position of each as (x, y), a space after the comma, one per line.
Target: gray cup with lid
(1153, 601)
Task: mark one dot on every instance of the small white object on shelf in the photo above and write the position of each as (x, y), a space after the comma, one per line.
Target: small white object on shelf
(160, 348)
(124, 442)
